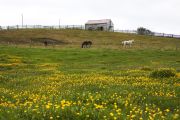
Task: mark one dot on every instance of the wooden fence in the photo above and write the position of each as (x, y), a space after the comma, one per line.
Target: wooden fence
(16, 27)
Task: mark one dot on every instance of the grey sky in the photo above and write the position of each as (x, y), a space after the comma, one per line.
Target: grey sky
(156, 15)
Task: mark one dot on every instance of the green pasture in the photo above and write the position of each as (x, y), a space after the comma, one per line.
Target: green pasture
(107, 81)
(97, 83)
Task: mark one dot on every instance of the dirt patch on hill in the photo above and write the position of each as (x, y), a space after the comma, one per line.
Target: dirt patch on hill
(48, 40)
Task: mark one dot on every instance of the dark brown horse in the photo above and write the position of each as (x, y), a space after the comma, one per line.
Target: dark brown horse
(45, 43)
(86, 44)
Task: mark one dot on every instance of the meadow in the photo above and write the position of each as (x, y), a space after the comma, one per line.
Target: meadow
(106, 81)
(75, 83)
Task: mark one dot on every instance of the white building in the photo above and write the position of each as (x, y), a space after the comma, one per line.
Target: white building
(102, 25)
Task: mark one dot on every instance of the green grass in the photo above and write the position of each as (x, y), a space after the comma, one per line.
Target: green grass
(107, 81)
(97, 83)
(77, 59)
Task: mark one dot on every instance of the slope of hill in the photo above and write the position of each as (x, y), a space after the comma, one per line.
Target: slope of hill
(69, 37)
(97, 83)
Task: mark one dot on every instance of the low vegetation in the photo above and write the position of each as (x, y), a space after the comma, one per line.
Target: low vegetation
(97, 83)
(163, 73)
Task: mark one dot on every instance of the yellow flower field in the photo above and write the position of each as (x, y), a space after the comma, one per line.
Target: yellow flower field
(43, 91)
(90, 96)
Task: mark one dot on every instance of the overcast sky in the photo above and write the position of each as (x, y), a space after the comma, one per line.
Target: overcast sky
(156, 15)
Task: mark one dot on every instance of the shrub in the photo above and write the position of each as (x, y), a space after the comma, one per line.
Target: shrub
(144, 31)
(163, 73)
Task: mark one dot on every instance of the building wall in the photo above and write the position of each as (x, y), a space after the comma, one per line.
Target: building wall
(111, 26)
(96, 27)
(103, 27)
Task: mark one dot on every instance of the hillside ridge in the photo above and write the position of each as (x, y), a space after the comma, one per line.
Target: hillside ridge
(76, 37)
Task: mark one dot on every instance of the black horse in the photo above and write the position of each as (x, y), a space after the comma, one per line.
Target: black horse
(86, 44)
(45, 43)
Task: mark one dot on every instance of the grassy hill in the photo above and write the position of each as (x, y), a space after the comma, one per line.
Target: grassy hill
(106, 81)
(74, 38)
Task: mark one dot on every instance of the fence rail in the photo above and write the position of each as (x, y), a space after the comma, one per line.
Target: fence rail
(82, 27)
(42, 27)
(126, 31)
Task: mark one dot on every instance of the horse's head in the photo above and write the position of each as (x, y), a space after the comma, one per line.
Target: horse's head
(132, 40)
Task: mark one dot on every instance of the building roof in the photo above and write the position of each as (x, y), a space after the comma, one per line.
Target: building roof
(98, 21)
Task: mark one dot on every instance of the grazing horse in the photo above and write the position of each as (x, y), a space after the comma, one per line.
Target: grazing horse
(127, 42)
(86, 44)
(45, 43)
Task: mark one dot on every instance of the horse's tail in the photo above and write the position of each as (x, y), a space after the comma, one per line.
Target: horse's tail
(90, 43)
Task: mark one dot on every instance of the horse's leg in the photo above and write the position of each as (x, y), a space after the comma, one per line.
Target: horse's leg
(125, 45)
(83, 45)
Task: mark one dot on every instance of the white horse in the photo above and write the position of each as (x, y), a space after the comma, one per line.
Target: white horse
(127, 42)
